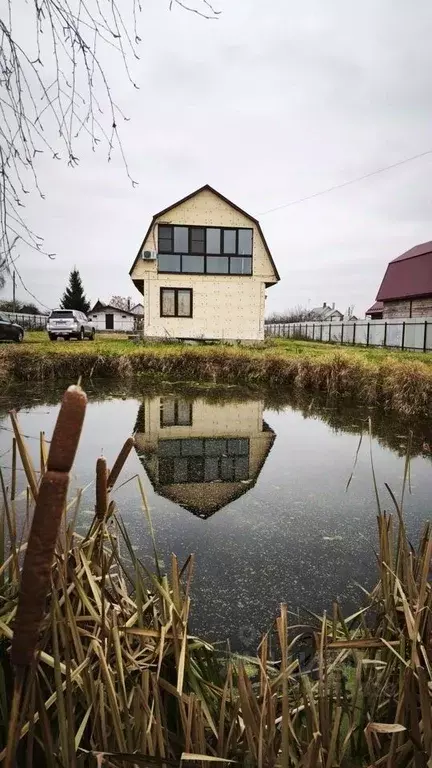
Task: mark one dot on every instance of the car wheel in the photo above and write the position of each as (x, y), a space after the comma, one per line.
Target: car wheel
(20, 337)
(52, 337)
(81, 335)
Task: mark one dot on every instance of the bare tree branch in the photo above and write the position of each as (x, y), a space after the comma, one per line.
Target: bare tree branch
(50, 72)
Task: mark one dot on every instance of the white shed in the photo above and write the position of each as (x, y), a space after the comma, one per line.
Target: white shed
(104, 317)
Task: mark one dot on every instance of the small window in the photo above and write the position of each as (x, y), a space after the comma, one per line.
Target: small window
(176, 302)
(193, 264)
(175, 413)
(165, 239)
(169, 262)
(217, 265)
(167, 302)
(123, 317)
(94, 317)
(229, 241)
(241, 265)
(181, 240)
(184, 302)
(197, 244)
(244, 242)
(213, 240)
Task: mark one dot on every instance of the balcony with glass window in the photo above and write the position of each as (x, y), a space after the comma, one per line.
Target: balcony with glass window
(205, 250)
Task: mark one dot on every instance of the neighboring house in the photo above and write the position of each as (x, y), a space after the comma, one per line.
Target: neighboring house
(202, 455)
(375, 312)
(406, 290)
(138, 309)
(326, 314)
(104, 317)
(203, 268)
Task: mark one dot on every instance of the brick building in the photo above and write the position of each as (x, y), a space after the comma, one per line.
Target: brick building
(406, 290)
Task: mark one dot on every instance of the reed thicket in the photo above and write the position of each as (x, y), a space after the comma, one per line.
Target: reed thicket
(398, 382)
(113, 677)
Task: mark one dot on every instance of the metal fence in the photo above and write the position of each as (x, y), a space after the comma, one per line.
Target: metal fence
(403, 333)
(29, 322)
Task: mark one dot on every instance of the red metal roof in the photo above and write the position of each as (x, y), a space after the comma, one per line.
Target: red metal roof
(409, 275)
(377, 307)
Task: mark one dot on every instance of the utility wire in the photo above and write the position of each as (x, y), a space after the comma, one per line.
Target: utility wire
(38, 301)
(347, 183)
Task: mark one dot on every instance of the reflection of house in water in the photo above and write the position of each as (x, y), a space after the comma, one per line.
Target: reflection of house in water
(199, 454)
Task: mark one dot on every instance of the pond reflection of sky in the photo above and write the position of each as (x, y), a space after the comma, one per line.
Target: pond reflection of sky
(257, 493)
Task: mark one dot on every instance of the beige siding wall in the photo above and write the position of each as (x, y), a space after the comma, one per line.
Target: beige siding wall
(405, 308)
(224, 307)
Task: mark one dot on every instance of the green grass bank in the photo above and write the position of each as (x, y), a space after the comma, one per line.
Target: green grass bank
(394, 381)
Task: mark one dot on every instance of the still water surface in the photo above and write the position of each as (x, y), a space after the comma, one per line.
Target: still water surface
(254, 486)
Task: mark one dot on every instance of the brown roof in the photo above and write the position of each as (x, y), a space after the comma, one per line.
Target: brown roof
(377, 307)
(409, 275)
(222, 197)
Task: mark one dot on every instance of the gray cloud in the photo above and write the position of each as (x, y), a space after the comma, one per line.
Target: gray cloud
(269, 104)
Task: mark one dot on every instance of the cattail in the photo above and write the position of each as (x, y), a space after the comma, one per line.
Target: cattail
(50, 503)
(120, 461)
(101, 489)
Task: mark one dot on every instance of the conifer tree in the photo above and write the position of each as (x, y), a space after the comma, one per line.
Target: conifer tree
(74, 296)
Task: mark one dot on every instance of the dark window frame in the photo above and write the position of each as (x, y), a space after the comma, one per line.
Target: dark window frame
(196, 461)
(204, 255)
(166, 425)
(176, 291)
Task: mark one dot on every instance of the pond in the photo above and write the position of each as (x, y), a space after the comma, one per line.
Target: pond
(255, 485)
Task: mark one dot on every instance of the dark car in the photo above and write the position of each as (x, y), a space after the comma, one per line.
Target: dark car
(10, 331)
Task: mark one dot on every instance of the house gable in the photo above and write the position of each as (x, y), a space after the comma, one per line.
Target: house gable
(208, 208)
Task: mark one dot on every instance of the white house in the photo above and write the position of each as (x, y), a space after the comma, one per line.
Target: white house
(203, 269)
(104, 317)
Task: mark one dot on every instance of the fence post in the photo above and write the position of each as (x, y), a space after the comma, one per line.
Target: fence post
(354, 333)
(385, 335)
(425, 336)
(313, 332)
(403, 335)
(342, 333)
(367, 334)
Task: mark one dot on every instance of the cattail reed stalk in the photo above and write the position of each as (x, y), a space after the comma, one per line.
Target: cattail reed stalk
(101, 489)
(36, 573)
(120, 461)
(25, 456)
(14, 462)
(46, 521)
(43, 453)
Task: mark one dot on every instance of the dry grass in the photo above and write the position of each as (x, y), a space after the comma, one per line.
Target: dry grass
(399, 382)
(117, 680)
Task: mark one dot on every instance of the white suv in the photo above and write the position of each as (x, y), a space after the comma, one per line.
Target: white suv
(69, 324)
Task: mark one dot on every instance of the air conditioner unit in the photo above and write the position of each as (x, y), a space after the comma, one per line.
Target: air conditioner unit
(149, 255)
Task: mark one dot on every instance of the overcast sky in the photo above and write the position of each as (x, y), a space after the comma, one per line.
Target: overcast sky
(272, 102)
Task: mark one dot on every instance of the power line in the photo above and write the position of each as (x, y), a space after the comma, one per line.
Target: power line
(347, 183)
(38, 301)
